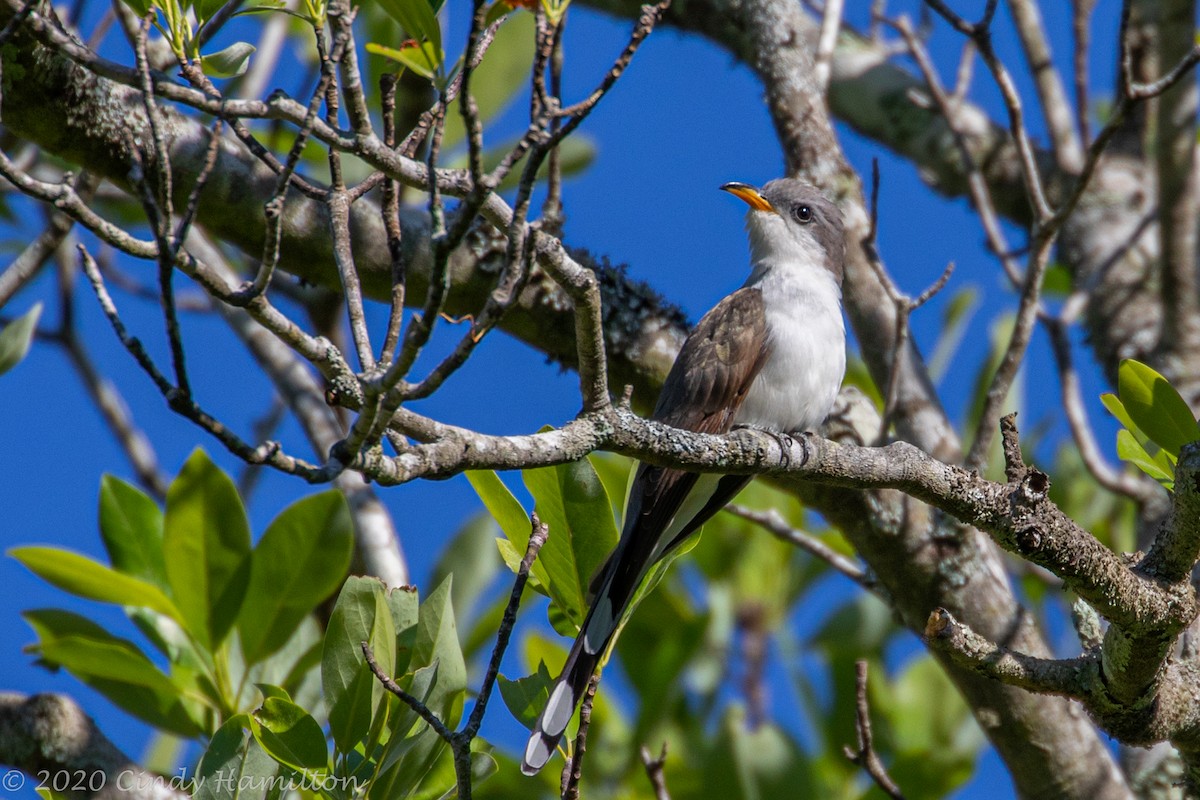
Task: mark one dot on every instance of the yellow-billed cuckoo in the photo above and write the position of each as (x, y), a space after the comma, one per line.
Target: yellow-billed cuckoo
(769, 356)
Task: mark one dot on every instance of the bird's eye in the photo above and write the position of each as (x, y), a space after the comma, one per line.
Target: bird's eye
(803, 214)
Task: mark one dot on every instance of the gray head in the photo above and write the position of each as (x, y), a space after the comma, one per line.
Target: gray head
(796, 218)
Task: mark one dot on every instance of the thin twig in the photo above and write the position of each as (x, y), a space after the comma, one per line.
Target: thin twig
(774, 523)
(193, 202)
(981, 33)
(903, 304)
(539, 533)
(831, 20)
(264, 428)
(654, 771)
(159, 209)
(573, 771)
(104, 393)
(420, 131)
(552, 207)
(267, 453)
(1080, 19)
(423, 711)
(26, 266)
(460, 741)
(865, 756)
(274, 207)
(1052, 95)
(337, 200)
(390, 209)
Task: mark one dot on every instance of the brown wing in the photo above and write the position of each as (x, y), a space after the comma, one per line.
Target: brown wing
(716, 366)
(703, 391)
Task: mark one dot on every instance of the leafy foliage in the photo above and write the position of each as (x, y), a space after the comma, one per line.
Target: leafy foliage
(236, 655)
(683, 650)
(16, 338)
(1157, 421)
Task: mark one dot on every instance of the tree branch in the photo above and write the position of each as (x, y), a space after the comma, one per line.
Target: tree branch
(50, 733)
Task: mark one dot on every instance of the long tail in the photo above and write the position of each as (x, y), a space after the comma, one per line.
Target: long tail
(597, 631)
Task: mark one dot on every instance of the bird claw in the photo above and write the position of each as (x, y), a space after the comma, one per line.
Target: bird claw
(784, 440)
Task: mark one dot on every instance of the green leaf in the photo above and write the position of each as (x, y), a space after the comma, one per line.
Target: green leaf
(234, 767)
(228, 62)
(526, 697)
(749, 764)
(571, 500)
(1130, 449)
(616, 473)
(440, 783)
(437, 674)
(206, 544)
(351, 692)
(207, 9)
(268, 690)
(503, 507)
(290, 735)
(956, 318)
(1111, 402)
(414, 747)
(419, 684)
(1057, 281)
(437, 642)
(512, 519)
(423, 59)
(418, 20)
(131, 525)
(300, 560)
(83, 577)
(1155, 406)
(404, 604)
(471, 558)
(928, 727)
(296, 667)
(555, 9)
(16, 338)
(140, 7)
(114, 667)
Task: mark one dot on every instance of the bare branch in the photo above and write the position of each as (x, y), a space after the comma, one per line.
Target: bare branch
(865, 756)
(573, 770)
(26, 266)
(538, 535)
(409, 700)
(654, 771)
(772, 522)
(50, 733)
(1046, 676)
(267, 453)
(1064, 139)
(1080, 19)
(831, 20)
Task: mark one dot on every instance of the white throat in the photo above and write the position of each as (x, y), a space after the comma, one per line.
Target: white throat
(798, 384)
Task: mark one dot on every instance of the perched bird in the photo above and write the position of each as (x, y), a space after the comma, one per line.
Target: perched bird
(769, 356)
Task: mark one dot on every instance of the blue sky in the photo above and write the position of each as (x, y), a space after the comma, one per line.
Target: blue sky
(683, 120)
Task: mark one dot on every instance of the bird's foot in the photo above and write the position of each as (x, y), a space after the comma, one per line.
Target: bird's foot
(784, 440)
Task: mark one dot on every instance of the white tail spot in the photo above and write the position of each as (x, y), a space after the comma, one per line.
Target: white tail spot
(537, 753)
(558, 710)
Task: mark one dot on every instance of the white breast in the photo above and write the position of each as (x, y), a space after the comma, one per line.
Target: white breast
(797, 386)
